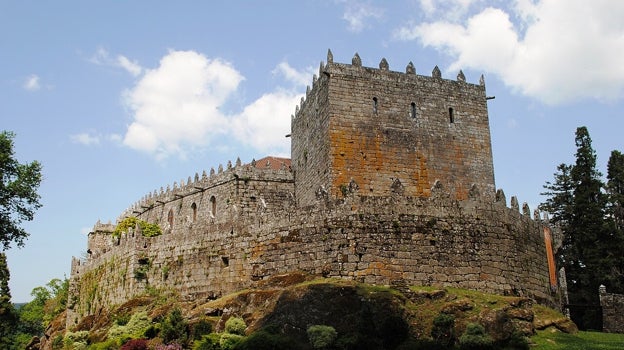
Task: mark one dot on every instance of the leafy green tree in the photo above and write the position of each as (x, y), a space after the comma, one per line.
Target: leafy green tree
(18, 193)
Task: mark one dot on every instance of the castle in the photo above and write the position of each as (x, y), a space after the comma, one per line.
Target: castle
(391, 181)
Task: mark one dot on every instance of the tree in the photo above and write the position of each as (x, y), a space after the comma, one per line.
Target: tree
(578, 205)
(8, 317)
(615, 213)
(18, 193)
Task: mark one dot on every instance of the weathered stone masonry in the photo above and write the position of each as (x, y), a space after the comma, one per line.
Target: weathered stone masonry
(391, 179)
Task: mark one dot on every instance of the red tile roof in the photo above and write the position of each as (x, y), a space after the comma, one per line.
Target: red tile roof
(271, 162)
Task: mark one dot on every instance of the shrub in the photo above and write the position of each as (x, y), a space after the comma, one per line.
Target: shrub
(208, 342)
(474, 338)
(517, 341)
(442, 330)
(57, 342)
(321, 336)
(110, 344)
(265, 340)
(201, 328)
(174, 327)
(229, 341)
(75, 340)
(135, 328)
(235, 325)
(135, 344)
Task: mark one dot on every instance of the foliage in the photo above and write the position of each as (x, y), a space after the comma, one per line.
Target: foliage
(235, 325)
(174, 328)
(18, 193)
(229, 341)
(208, 342)
(135, 328)
(135, 344)
(264, 340)
(75, 340)
(321, 336)
(109, 344)
(442, 330)
(592, 243)
(147, 229)
(475, 338)
(48, 302)
(201, 328)
(8, 315)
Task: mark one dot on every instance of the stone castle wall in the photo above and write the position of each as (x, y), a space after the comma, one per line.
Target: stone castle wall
(612, 311)
(398, 192)
(386, 131)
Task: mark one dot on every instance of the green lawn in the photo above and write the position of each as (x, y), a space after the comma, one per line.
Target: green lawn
(582, 341)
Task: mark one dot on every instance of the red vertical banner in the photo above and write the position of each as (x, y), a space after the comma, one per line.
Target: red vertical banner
(550, 256)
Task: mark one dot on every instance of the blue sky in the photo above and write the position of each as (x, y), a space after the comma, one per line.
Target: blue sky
(118, 99)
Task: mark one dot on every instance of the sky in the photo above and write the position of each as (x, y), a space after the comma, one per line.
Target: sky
(118, 99)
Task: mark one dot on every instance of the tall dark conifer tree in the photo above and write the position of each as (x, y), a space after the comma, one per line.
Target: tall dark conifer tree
(8, 316)
(614, 257)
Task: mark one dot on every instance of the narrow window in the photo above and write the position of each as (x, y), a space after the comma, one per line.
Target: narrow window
(375, 105)
(413, 110)
(170, 218)
(213, 206)
(194, 208)
(451, 115)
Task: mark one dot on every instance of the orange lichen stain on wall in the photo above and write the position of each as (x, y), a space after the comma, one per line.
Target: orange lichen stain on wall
(373, 164)
(421, 175)
(380, 268)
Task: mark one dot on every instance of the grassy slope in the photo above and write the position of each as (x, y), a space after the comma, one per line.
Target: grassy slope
(548, 340)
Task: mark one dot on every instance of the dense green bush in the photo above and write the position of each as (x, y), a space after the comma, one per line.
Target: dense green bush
(208, 342)
(201, 328)
(321, 336)
(174, 328)
(442, 330)
(229, 341)
(135, 328)
(475, 338)
(235, 325)
(110, 344)
(265, 340)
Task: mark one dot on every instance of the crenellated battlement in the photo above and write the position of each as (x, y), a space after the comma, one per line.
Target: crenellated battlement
(390, 178)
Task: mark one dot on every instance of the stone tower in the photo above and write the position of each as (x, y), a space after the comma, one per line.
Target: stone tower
(380, 132)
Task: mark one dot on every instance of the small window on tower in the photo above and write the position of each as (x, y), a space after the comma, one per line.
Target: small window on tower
(170, 218)
(413, 110)
(194, 209)
(451, 115)
(375, 105)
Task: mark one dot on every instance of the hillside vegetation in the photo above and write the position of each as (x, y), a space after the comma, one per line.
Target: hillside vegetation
(296, 312)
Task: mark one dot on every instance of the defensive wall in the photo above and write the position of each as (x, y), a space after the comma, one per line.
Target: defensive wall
(413, 202)
(612, 311)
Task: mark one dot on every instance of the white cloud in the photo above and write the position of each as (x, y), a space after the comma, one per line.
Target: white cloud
(102, 57)
(176, 105)
(299, 78)
(265, 123)
(31, 83)
(357, 15)
(559, 51)
(131, 66)
(85, 139)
